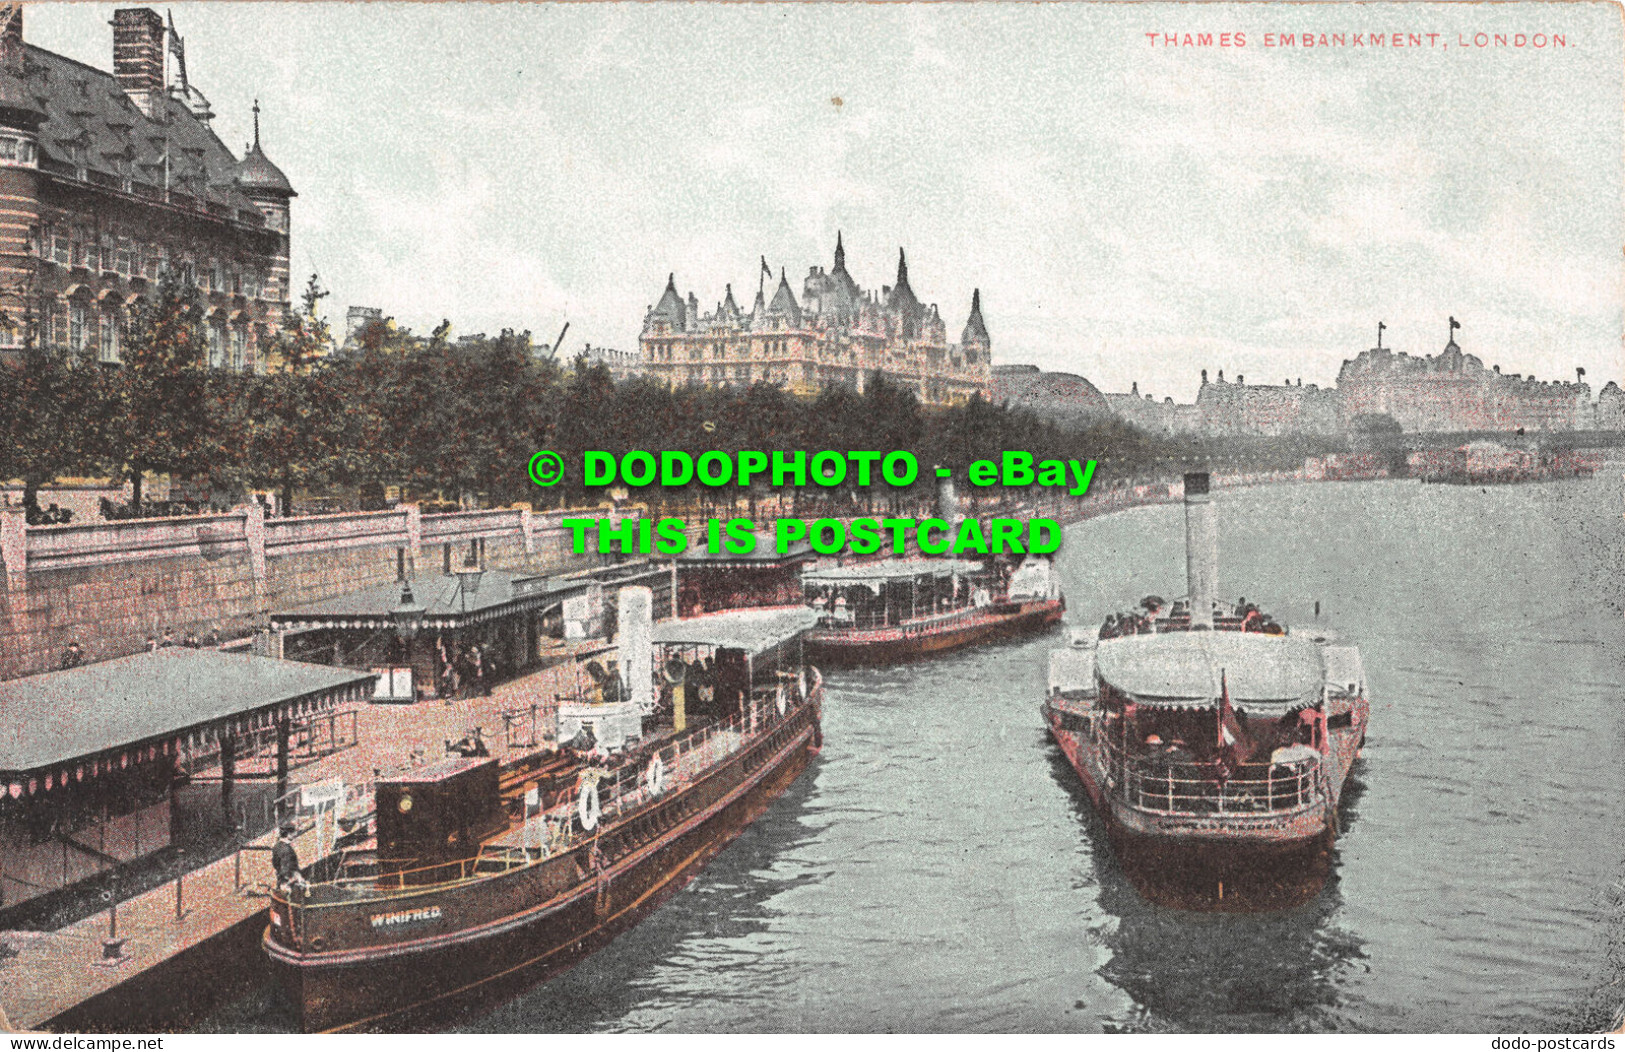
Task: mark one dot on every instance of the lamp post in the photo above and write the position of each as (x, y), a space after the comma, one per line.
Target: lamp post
(468, 581)
(407, 614)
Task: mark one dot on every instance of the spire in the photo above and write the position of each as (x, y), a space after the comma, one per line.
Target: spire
(975, 327)
(784, 300)
(902, 269)
(840, 252)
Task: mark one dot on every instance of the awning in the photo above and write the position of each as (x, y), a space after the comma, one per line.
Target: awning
(764, 555)
(873, 575)
(1265, 674)
(134, 707)
(752, 631)
(447, 605)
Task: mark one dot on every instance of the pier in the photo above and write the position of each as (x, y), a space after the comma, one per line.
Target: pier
(202, 929)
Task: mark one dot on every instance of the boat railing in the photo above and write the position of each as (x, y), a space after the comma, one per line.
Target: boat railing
(869, 621)
(558, 829)
(1175, 788)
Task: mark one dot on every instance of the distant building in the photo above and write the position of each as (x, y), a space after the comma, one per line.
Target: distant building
(1166, 417)
(1064, 399)
(359, 324)
(1610, 411)
(1262, 409)
(1453, 392)
(835, 335)
(112, 180)
(622, 365)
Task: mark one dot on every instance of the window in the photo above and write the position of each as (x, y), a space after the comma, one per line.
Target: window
(78, 327)
(109, 253)
(109, 351)
(36, 244)
(61, 248)
(239, 348)
(217, 279)
(126, 258)
(217, 346)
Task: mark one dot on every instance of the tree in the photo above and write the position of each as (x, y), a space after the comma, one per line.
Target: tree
(295, 409)
(157, 404)
(48, 416)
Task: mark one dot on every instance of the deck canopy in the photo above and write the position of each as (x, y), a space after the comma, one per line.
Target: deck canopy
(1266, 675)
(101, 717)
(447, 605)
(764, 556)
(874, 575)
(753, 631)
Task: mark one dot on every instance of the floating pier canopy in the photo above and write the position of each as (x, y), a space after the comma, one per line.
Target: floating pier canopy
(97, 717)
(765, 555)
(752, 631)
(446, 604)
(874, 575)
(1266, 674)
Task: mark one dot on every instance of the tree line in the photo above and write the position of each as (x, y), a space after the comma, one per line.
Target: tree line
(459, 421)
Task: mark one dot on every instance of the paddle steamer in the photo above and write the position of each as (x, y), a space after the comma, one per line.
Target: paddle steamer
(482, 877)
(1214, 743)
(900, 609)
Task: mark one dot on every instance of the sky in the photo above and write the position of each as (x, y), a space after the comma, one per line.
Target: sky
(1130, 210)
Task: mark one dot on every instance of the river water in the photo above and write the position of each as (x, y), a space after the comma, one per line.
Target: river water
(940, 869)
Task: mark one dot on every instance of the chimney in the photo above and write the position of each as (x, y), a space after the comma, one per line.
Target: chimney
(635, 618)
(138, 56)
(1201, 549)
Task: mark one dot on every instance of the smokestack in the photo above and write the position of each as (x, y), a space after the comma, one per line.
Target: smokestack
(138, 56)
(947, 501)
(1201, 549)
(635, 608)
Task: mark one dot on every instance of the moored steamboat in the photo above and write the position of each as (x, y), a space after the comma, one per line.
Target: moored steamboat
(483, 878)
(900, 609)
(1214, 743)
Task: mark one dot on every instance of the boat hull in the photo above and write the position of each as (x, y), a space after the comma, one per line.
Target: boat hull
(899, 643)
(1205, 862)
(548, 917)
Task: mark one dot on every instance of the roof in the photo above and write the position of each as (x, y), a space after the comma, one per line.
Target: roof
(784, 301)
(441, 595)
(256, 172)
(90, 123)
(764, 553)
(752, 631)
(59, 716)
(890, 569)
(1263, 672)
(975, 327)
(671, 304)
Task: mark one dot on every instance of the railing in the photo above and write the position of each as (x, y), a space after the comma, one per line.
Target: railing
(1174, 788)
(923, 623)
(554, 830)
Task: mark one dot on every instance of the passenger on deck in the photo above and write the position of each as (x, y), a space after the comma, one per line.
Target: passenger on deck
(285, 859)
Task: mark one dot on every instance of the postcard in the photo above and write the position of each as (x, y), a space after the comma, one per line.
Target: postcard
(1154, 568)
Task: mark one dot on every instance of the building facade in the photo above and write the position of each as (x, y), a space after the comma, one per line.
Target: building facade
(1454, 392)
(1166, 417)
(111, 180)
(836, 334)
(1240, 408)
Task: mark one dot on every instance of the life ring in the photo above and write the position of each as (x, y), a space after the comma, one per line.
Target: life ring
(587, 808)
(781, 701)
(655, 775)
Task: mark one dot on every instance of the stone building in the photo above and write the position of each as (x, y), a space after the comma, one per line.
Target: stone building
(113, 179)
(1239, 408)
(1166, 417)
(1610, 410)
(1064, 399)
(836, 334)
(622, 365)
(1454, 392)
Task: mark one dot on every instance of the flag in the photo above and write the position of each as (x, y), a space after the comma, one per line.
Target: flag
(1454, 324)
(765, 268)
(1232, 744)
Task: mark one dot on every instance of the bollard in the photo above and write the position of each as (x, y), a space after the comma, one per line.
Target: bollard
(179, 911)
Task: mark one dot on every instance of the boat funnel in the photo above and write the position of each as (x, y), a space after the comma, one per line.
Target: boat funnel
(636, 614)
(1201, 549)
(947, 501)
